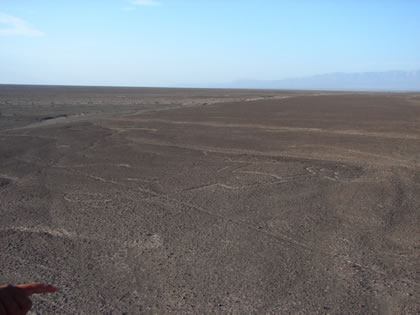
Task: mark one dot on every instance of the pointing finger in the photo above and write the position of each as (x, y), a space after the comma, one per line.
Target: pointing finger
(37, 288)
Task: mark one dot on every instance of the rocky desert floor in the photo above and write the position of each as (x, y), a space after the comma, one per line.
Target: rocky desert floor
(211, 201)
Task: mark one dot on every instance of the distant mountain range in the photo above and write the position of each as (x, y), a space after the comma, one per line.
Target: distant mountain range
(364, 81)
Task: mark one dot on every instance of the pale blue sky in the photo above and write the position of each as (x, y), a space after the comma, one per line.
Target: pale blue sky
(171, 42)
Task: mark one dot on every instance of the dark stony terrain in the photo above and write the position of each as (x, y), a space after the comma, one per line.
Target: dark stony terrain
(211, 201)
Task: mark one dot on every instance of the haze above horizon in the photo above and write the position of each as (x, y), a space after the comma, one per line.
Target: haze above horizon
(173, 43)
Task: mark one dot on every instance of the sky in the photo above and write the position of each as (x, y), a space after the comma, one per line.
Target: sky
(171, 42)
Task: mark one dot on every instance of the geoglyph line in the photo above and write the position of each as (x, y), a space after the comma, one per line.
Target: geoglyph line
(271, 128)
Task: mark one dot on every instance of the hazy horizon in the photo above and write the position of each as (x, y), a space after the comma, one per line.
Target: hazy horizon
(392, 81)
(174, 43)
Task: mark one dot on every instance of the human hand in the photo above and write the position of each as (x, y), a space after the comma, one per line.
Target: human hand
(14, 300)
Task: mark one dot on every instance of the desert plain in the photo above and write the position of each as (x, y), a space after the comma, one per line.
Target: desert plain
(142, 200)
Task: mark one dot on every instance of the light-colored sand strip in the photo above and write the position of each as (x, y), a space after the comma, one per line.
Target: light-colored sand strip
(261, 173)
(269, 128)
(154, 241)
(122, 129)
(341, 155)
(13, 178)
(59, 232)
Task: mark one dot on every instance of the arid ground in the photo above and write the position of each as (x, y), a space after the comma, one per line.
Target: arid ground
(211, 201)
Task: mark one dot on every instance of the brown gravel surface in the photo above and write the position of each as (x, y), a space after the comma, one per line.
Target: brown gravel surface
(269, 202)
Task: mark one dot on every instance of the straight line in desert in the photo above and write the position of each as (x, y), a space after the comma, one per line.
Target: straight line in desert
(268, 128)
(348, 155)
